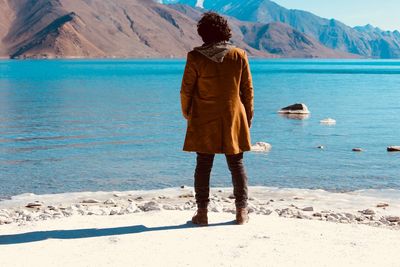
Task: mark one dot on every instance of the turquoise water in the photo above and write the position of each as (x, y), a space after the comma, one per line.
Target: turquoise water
(116, 125)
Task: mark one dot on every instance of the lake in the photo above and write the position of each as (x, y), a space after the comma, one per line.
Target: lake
(89, 125)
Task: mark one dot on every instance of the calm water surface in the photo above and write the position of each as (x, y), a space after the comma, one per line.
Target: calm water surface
(116, 125)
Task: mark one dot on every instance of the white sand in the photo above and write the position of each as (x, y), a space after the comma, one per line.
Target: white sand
(163, 238)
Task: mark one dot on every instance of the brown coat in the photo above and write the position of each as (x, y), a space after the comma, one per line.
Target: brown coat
(217, 101)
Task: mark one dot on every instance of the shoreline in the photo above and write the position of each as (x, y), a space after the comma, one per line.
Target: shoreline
(379, 208)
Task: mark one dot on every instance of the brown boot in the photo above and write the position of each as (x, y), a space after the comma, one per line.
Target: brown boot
(242, 216)
(200, 217)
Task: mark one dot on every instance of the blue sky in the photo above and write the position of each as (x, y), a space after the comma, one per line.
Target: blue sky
(384, 14)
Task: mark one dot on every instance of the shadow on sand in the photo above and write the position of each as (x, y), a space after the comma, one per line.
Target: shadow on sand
(93, 232)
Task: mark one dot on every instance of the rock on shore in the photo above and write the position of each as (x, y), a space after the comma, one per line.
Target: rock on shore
(288, 205)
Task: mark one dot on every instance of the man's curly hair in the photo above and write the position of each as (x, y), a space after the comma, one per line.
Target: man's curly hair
(213, 28)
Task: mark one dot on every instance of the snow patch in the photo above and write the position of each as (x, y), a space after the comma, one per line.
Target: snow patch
(200, 3)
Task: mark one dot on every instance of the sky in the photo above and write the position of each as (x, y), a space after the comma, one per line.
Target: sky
(384, 14)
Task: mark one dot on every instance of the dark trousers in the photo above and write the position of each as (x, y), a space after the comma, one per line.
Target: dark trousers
(202, 179)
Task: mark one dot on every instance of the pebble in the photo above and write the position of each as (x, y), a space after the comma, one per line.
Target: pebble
(227, 200)
(308, 209)
(168, 207)
(110, 202)
(393, 219)
(132, 208)
(229, 210)
(350, 216)
(368, 212)
(382, 205)
(34, 205)
(216, 209)
(231, 196)
(150, 206)
(90, 201)
(114, 211)
(331, 219)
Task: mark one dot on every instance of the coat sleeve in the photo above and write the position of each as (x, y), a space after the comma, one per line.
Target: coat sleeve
(246, 90)
(188, 84)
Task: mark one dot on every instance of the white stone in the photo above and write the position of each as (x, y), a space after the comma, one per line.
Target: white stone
(261, 147)
(328, 121)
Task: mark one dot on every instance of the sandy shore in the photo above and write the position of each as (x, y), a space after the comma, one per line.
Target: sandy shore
(288, 227)
(163, 238)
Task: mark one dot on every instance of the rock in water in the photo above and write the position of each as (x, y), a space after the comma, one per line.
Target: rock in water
(357, 149)
(393, 149)
(328, 121)
(297, 108)
(261, 147)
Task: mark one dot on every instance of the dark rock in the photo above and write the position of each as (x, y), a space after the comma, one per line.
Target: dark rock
(34, 205)
(308, 209)
(368, 212)
(297, 108)
(357, 149)
(393, 149)
(382, 205)
(393, 219)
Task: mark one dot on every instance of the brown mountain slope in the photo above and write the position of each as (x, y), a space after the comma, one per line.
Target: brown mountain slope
(6, 18)
(280, 39)
(132, 28)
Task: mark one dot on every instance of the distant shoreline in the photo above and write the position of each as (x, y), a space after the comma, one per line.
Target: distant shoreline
(184, 59)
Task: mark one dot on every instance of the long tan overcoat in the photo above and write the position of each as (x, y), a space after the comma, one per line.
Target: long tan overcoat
(217, 101)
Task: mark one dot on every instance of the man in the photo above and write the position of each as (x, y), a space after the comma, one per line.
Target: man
(217, 101)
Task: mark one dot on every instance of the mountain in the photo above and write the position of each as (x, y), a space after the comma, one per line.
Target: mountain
(364, 41)
(133, 28)
(119, 28)
(281, 39)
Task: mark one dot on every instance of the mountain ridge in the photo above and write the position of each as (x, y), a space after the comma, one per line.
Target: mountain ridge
(366, 42)
(137, 29)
